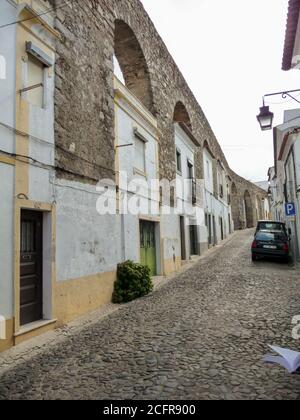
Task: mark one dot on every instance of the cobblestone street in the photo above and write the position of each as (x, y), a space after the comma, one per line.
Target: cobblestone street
(202, 335)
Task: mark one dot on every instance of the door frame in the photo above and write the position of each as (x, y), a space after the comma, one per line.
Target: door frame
(49, 241)
(158, 246)
(36, 313)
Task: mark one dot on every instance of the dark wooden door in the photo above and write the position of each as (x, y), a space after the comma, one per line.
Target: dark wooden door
(209, 230)
(214, 231)
(222, 228)
(31, 270)
(193, 240)
(182, 238)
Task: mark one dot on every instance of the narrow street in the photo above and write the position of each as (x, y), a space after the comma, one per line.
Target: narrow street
(201, 336)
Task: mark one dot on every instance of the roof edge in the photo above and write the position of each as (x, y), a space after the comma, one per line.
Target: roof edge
(290, 35)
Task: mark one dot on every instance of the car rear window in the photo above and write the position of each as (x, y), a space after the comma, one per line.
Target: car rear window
(271, 226)
(270, 236)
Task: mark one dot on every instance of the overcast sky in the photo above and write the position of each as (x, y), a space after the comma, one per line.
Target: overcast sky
(230, 53)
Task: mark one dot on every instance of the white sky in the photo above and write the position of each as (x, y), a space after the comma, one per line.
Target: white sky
(230, 53)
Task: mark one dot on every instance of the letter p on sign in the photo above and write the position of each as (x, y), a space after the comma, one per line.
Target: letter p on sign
(290, 209)
(2, 328)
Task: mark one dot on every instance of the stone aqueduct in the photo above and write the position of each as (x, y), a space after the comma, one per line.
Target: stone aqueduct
(92, 32)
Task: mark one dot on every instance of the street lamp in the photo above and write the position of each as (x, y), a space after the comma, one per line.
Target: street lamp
(265, 116)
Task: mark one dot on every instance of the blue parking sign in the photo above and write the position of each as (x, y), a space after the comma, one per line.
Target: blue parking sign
(290, 209)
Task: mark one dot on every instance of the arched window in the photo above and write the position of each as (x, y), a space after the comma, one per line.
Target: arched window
(2, 68)
(131, 63)
(181, 115)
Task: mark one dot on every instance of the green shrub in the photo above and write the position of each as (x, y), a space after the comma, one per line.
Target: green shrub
(133, 281)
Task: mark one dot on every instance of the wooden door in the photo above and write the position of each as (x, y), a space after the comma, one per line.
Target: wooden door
(182, 238)
(193, 240)
(148, 245)
(31, 268)
(222, 228)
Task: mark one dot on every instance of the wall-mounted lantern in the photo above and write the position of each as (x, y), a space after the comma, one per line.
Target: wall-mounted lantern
(265, 116)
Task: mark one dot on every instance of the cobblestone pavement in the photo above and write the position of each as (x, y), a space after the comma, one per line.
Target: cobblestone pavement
(201, 336)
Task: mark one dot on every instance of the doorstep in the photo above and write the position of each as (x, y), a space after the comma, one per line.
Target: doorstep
(34, 329)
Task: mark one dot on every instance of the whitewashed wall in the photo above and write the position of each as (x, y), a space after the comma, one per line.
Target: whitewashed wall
(8, 13)
(216, 207)
(188, 149)
(131, 116)
(6, 236)
(297, 168)
(7, 144)
(87, 243)
(41, 128)
(170, 233)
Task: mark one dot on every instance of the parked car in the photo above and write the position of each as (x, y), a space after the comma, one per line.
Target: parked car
(271, 226)
(268, 243)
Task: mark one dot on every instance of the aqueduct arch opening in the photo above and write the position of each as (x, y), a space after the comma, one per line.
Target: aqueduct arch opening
(181, 115)
(133, 65)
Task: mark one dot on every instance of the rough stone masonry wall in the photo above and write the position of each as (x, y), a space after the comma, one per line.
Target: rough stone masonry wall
(84, 98)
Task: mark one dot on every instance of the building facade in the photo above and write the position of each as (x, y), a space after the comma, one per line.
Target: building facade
(286, 141)
(217, 201)
(27, 162)
(69, 130)
(137, 143)
(291, 53)
(285, 176)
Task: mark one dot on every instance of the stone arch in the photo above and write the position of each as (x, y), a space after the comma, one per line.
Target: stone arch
(133, 64)
(248, 210)
(181, 115)
(207, 146)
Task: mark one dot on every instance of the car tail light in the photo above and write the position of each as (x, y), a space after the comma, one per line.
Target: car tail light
(285, 247)
(254, 244)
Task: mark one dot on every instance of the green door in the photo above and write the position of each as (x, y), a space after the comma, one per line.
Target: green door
(148, 247)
